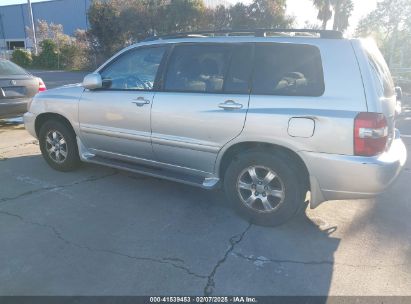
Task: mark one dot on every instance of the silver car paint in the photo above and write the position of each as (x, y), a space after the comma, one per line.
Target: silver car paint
(184, 123)
(110, 121)
(192, 137)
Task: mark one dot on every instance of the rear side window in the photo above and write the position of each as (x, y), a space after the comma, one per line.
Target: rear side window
(379, 68)
(288, 70)
(197, 68)
(9, 68)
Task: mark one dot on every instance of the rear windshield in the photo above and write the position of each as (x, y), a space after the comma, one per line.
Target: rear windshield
(380, 71)
(9, 68)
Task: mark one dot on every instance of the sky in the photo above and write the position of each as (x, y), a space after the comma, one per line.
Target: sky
(303, 10)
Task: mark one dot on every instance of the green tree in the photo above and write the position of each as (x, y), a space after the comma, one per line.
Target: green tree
(117, 23)
(389, 24)
(343, 10)
(180, 16)
(48, 57)
(220, 17)
(260, 14)
(105, 31)
(22, 58)
(240, 16)
(269, 14)
(324, 11)
(340, 9)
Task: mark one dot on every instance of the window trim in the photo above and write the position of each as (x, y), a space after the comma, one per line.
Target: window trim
(256, 44)
(231, 51)
(142, 47)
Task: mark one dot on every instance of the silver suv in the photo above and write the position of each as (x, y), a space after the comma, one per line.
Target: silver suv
(268, 115)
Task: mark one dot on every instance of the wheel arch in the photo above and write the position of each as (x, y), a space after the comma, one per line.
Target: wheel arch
(238, 148)
(43, 117)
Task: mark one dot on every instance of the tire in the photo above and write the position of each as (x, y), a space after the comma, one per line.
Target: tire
(58, 133)
(283, 196)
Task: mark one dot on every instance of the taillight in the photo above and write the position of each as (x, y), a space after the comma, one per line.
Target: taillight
(370, 134)
(42, 86)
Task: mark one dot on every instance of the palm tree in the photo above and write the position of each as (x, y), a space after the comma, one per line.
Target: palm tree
(324, 11)
(342, 12)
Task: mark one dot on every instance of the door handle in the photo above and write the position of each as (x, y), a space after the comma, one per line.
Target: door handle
(141, 101)
(230, 105)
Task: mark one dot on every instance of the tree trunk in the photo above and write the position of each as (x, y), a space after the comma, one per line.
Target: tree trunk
(337, 13)
(324, 26)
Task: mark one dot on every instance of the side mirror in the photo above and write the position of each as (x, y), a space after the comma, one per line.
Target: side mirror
(398, 92)
(93, 81)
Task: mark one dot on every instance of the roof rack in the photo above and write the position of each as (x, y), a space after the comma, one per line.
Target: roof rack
(325, 34)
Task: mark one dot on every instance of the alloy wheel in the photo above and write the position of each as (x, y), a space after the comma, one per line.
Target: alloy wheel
(260, 189)
(56, 146)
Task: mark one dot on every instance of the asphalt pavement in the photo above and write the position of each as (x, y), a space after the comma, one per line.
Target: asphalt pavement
(98, 231)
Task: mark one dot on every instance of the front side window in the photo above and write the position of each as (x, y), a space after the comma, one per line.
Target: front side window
(197, 68)
(135, 70)
(288, 70)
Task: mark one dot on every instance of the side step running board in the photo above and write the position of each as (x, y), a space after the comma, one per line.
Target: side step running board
(193, 180)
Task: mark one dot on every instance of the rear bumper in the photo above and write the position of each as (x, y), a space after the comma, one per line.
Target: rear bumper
(29, 123)
(13, 107)
(339, 177)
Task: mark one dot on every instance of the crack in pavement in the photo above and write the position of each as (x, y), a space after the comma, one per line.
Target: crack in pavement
(168, 260)
(234, 241)
(263, 260)
(54, 188)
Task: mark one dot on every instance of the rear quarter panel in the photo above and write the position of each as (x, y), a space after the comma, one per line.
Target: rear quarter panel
(333, 112)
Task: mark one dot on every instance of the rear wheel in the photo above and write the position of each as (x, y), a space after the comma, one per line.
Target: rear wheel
(265, 188)
(58, 146)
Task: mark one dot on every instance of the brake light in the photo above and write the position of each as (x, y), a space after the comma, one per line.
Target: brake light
(42, 86)
(370, 134)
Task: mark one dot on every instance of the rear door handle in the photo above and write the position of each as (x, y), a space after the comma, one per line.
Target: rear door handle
(230, 105)
(141, 101)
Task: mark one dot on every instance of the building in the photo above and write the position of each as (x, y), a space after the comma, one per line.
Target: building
(14, 19)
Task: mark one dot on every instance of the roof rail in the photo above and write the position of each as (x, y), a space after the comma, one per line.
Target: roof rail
(325, 34)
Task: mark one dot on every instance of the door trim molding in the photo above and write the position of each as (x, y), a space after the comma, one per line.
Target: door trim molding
(180, 143)
(140, 136)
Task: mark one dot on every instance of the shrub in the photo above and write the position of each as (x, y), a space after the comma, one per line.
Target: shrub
(48, 57)
(73, 57)
(22, 58)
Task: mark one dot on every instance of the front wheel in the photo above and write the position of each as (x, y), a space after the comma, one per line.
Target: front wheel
(265, 188)
(58, 146)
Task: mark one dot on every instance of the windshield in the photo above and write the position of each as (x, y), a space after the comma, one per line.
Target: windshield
(380, 71)
(9, 68)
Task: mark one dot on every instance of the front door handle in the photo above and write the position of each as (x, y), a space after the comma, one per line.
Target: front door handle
(141, 101)
(230, 105)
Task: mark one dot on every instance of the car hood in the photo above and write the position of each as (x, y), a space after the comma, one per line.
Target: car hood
(66, 92)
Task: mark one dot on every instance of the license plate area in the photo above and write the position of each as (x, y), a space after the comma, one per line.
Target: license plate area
(12, 92)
